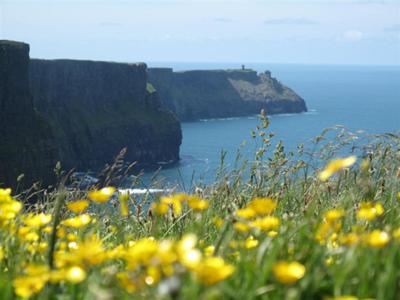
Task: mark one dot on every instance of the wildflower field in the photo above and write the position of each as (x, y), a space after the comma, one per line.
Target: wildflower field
(281, 226)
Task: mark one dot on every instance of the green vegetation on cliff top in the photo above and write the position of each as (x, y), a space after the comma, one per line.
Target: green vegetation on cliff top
(288, 230)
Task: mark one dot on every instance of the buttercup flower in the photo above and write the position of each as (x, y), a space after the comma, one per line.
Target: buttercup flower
(75, 274)
(123, 203)
(336, 165)
(102, 195)
(333, 215)
(377, 239)
(267, 223)
(262, 206)
(250, 242)
(78, 221)
(197, 203)
(36, 221)
(212, 270)
(369, 211)
(78, 206)
(288, 272)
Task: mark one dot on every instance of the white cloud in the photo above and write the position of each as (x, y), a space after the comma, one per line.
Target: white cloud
(353, 35)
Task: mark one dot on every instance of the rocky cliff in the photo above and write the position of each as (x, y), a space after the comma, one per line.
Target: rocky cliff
(26, 141)
(97, 108)
(205, 94)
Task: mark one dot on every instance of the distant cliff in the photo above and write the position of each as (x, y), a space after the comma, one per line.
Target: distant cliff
(26, 141)
(205, 94)
(81, 113)
(97, 108)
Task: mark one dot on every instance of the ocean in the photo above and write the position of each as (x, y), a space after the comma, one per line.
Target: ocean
(361, 98)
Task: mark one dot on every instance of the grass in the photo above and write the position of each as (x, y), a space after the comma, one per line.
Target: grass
(269, 228)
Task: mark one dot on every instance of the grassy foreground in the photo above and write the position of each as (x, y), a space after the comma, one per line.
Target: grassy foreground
(277, 227)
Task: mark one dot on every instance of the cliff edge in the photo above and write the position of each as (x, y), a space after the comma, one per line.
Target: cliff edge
(27, 143)
(203, 94)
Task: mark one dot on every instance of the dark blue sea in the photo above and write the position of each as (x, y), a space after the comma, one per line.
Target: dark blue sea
(363, 98)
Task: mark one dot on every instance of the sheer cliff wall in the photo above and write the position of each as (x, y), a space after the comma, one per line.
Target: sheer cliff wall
(97, 108)
(26, 141)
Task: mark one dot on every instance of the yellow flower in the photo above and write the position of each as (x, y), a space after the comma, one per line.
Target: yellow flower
(189, 256)
(209, 251)
(127, 282)
(333, 215)
(266, 223)
(345, 297)
(57, 275)
(245, 213)
(369, 211)
(336, 165)
(250, 242)
(288, 272)
(175, 201)
(47, 229)
(364, 165)
(166, 254)
(102, 195)
(141, 252)
(241, 227)
(38, 247)
(26, 234)
(60, 232)
(89, 252)
(272, 233)
(78, 206)
(325, 229)
(349, 239)
(1, 253)
(9, 209)
(262, 206)
(212, 270)
(117, 252)
(218, 222)
(153, 275)
(36, 221)
(75, 274)
(377, 239)
(396, 234)
(197, 203)
(123, 204)
(27, 286)
(78, 221)
(329, 261)
(160, 208)
(32, 282)
(5, 195)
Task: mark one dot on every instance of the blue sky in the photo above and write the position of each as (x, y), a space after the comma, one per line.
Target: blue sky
(308, 32)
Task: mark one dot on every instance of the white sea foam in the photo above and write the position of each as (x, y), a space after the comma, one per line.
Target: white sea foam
(220, 119)
(138, 191)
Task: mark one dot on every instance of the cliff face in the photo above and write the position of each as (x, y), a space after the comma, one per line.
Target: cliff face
(26, 145)
(223, 93)
(97, 108)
